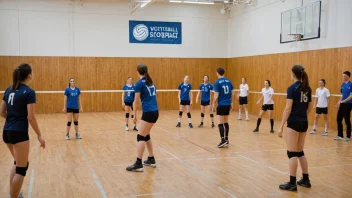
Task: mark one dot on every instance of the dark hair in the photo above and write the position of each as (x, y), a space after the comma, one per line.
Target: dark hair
(143, 70)
(20, 74)
(129, 77)
(300, 74)
(207, 77)
(323, 80)
(268, 82)
(347, 73)
(69, 82)
(220, 70)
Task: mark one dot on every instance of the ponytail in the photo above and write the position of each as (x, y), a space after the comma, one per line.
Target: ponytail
(305, 83)
(148, 79)
(20, 74)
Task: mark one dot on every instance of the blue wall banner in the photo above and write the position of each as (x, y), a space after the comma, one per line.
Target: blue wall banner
(155, 32)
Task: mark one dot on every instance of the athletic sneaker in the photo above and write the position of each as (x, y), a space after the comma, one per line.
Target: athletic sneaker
(304, 183)
(313, 132)
(67, 136)
(288, 186)
(135, 128)
(272, 131)
(223, 143)
(239, 118)
(247, 119)
(150, 162)
(325, 133)
(212, 125)
(201, 125)
(256, 130)
(347, 139)
(78, 136)
(135, 167)
(190, 125)
(178, 124)
(338, 138)
(126, 128)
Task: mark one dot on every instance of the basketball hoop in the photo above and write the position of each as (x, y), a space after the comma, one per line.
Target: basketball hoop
(295, 37)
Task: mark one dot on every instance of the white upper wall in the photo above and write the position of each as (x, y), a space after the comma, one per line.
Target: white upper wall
(256, 30)
(55, 28)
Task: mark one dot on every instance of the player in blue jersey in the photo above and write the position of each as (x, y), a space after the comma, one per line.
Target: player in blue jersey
(17, 107)
(127, 103)
(345, 107)
(223, 93)
(298, 105)
(72, 106)
(205, 90)
(145, 91)
(185, 98)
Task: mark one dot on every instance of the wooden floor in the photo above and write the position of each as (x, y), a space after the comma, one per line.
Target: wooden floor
(189, 163)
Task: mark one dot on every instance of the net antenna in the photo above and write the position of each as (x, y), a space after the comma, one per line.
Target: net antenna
(295, 37)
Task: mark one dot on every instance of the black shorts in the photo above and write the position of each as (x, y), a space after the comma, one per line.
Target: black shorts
(205, 103)
(185, 102)
(243, 100)
(223, 110)
(269, 107)
(129, 104)
(69, 110)
(321, 110)
(14, 137)
(298, 126)
(151, 116)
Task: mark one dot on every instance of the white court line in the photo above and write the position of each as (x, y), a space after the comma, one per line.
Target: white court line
(96, 179)
(284, 173)
(198, 172)
(31, 181)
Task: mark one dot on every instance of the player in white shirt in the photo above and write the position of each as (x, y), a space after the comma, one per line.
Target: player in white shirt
(321, 103)
(243, 98)
(268, 105)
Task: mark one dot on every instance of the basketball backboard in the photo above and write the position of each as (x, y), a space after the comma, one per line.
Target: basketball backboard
(303, 20)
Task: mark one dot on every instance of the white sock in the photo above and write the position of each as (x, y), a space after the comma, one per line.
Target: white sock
(326, 128)
(246, 114)
(179, 119)
(239, 114)
(314, 127)
(189, 120)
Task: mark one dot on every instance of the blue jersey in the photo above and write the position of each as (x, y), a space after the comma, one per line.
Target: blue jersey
(72, 97)
(346, 90)
(206, 88)
(185, 89)
(224, 87)
(148, 96)
(16, 107)
(129, 95)
(300, 102)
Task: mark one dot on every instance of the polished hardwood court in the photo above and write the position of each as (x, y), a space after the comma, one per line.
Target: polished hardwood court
(188, 162)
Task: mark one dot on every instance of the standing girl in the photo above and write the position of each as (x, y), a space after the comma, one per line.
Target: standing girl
(321, 104)
(17, 107)
(145, 92)
(268, 105)
(205, 90)
(298, 105)
(243, 99)
(128, 99)
(72, 106)
(185, 98)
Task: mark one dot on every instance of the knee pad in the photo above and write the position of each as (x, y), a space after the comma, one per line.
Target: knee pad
(189, 115)
(211, 115)
(141, 138)
(132, 116)
(76, 123)
(291, 154)
(300, 154)
(127, 115)
(22, 170)
(180, 113)
(69, 123)
(147, 138)
(202, 115)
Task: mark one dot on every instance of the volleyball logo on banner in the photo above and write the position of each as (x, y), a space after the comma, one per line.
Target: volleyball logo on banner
(155, 32)
(140, 32)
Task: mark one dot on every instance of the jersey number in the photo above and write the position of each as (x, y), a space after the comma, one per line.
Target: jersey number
(304, 97)
(151, 90)
(226, 89)
(11, 96)
(128, 93)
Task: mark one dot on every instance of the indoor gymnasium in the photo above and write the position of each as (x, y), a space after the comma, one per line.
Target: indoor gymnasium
(175, 98)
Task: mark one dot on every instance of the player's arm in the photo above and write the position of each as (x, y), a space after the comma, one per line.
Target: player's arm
(315, 100)
(65, 102)
(33, 122)
(260, 99)
(3, 109)
(123, 98)
(286, 112)
(347, 99)
(80, 103)
(216, 96)
(137, 97)
(191, 96)
(199, 92)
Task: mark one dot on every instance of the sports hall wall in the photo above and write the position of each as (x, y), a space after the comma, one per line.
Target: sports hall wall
(255, 46)
(91, 44)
